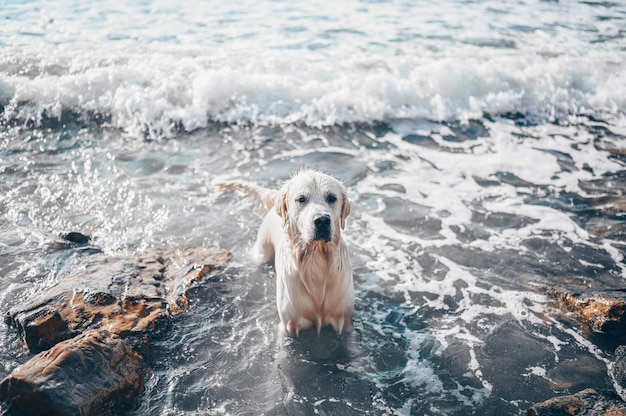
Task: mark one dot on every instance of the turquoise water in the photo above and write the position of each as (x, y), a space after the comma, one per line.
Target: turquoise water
(479, 142)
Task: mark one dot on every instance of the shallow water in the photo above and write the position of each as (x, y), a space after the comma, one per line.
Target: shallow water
(481, 144)
(452, 241)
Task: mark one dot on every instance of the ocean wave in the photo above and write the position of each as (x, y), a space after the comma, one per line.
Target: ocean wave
(160, 93)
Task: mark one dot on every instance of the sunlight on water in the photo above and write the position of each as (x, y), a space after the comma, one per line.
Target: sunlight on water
(450, 245)
(481, 144)
(160, 68)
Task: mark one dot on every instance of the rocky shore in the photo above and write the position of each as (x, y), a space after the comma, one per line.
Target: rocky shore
(601, 318)
(89, 331)
(88, 334)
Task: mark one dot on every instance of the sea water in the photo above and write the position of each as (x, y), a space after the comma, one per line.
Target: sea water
(481, 143)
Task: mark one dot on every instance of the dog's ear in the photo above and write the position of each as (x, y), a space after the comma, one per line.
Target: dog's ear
(281, 206)
(345, 208)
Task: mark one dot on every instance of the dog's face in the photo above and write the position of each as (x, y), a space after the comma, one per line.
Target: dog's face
(314, 207)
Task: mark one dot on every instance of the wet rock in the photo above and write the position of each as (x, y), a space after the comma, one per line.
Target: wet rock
(513, 180)
(470, 130)
(410, 218)
(508, 351)
(92, 374)
(131, 297)
(588, 402)
(565, 160)
(606, 189)
(610, 142)
(91, 324)
(44, 329)
(607, 228)
(501, 220)
(618, 369)
(574, 374)
(77, 238)
(470, 232)
(71, 240)
(602, 313)
(616, 205)
(421, 140)
(186, 266)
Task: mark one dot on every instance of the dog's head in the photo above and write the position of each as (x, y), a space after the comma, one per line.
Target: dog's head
(314, 207)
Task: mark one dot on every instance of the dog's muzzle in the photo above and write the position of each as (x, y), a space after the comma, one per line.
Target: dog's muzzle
(322, 228)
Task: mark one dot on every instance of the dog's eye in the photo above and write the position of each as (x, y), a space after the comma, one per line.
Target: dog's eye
(301, 199)
(331, 199)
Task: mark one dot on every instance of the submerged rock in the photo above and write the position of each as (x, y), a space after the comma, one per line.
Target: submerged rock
(618, 369)
(602, 313)
(607, 228)
(92, 374)
(133, 298)
(93, 323)
(588, 402)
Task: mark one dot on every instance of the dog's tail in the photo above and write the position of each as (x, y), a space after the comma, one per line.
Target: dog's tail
(266, 196)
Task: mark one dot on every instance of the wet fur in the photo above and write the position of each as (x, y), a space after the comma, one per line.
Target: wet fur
(314, 286)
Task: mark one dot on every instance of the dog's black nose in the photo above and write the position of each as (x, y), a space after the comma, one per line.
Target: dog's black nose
(322, 228)
(322, 222)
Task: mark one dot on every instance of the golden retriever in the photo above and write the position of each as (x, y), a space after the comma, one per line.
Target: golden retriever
(302, 233)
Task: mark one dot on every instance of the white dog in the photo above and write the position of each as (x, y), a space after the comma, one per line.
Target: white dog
(302, 233)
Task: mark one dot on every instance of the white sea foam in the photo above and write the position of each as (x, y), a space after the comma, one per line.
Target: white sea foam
(149, 70)
(447, 183)
(154, 93)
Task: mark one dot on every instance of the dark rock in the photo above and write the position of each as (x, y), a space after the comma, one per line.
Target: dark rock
(117, 304)
(96, 373)
(610, 142)
(501, 220)
(470, 232)
(507, 353)
(186, 266)
(470, 130)
(77, 238)
(45, 329)
(618, 369)
(611, 205)
(574, 374)
(74, 240)
(133, 298)
(513, 180)
(602, 313)
(410, 218)
(421, 140)
(607, 228)
(588, 402)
